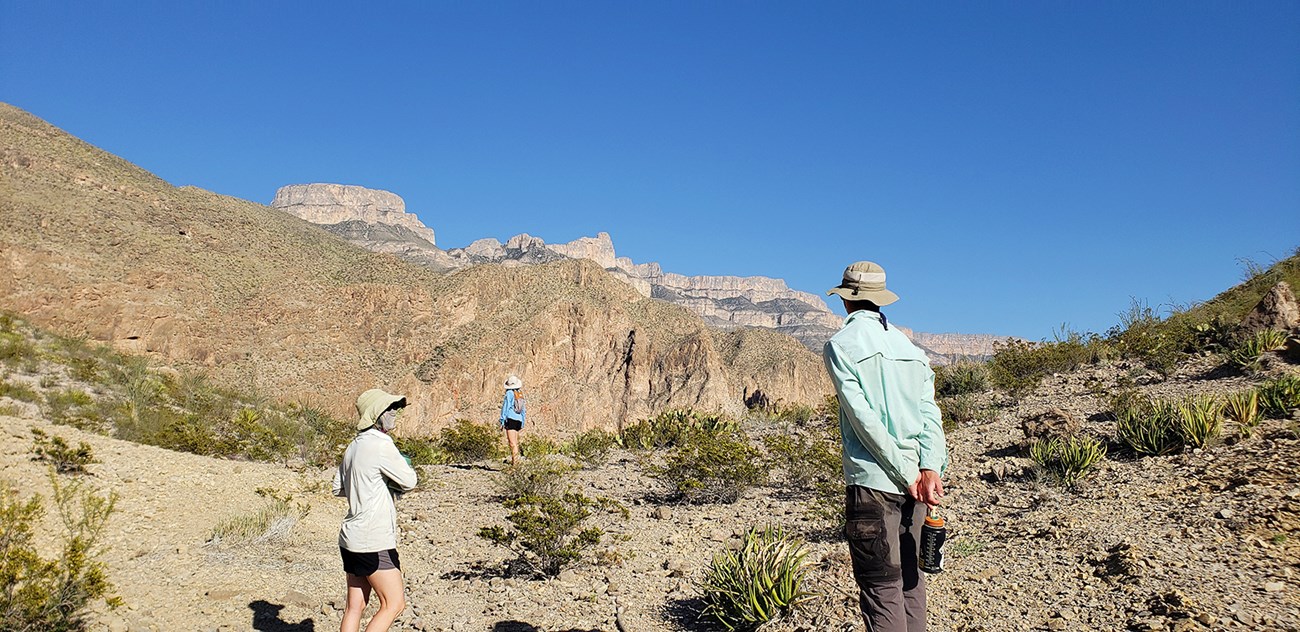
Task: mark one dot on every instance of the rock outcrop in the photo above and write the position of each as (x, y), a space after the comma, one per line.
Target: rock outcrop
(329, 204)
(1277, 310)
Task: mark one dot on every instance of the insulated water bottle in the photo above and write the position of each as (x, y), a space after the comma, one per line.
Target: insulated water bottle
(933, 533)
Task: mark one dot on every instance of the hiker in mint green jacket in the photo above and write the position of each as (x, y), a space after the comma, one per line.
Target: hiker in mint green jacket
(893, 450)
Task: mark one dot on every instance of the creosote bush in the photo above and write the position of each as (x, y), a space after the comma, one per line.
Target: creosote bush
(39, 594)
(466, 442)
(533, 445)
(421, 450)
(806, 462)
(671, 427)
(1019, 366)
(531, 478)
(591, 448)
(64, 458)
(1067, 459)
(547, 533)
(962, 410)
(961, 378)
(742, 590)
(709, 467)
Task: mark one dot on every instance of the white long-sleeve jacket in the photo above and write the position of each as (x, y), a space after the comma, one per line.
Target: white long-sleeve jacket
(369, 464)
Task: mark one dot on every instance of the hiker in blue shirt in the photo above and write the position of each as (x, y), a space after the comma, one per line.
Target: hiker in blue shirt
(512, 415)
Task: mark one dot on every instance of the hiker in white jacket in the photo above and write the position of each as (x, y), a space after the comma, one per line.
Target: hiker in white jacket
(371, 474)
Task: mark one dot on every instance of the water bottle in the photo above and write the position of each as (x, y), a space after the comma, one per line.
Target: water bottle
(933, 533)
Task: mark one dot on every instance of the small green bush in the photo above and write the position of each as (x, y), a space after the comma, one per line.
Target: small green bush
(1067, 459)
(711, 468)
(533, 446)
(547, 532)
(961, 378)
(56, 451)
(1279, 396)
(467, 442)
(16, 349)
(421, 450)
(669, 428)
(1015, 367)
(533, 477)
(742, 590)
(53, 594)
(592, 447)
(1200, 420)
(321, 437)
(1158, 344)
(18, 391)
(72, 407)
(1149, 427)
(963, 410)
(1243, 409)
(805, 462)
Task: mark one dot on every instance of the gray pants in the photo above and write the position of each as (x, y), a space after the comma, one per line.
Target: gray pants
(884, 535)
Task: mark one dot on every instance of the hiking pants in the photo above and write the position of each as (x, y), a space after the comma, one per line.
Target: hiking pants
(884, 535)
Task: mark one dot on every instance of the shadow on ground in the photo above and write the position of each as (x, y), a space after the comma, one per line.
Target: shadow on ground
(520, 626)
(266, 618)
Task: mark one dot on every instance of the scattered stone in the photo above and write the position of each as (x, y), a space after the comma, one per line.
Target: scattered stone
(662, 513)
(1225, 513)
(1273, 587)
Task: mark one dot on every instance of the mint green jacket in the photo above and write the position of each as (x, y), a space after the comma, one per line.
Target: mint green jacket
(890, 425)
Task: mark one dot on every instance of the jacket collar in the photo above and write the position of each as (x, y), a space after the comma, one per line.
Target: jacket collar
(862, 313)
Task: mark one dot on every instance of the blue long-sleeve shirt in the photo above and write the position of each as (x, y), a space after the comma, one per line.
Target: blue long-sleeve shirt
(508, 409)
(890, 424)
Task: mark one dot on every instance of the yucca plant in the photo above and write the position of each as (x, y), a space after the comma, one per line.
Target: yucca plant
(1243, 409)
(1149, 427)
(763, 580)
(1278, 397)
(1270, 339)
(1067, 459)
(1200, 419)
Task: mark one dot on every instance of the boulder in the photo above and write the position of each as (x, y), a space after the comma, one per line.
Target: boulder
(1277, 310)
(1052, 422)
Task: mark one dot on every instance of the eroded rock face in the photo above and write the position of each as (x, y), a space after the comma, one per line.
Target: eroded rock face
(1277, 310)
(330, 204)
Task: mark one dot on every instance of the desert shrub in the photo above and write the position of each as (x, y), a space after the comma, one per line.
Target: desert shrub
(1148, 426)
(763, 580)
(1067, 459)
(961, 378)
(1015, 368)
(711, 467)
(591, 447)
(1158, 344)
(532, 477)
(1200, 420)
(53, 594)
(805, 462)
(1279, 396)
(466, 442)
(963, 410)
(671, 427)
(254, 434)
(64, 458)
(1243, 409)
(72, 407)
(18, 391)
(532, 446)
(272, 521)
(16, 349)
(421, 450)
(323, 437)
(547, 533)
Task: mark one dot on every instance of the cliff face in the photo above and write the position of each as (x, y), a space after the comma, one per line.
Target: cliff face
(95, 246)
(329, 204)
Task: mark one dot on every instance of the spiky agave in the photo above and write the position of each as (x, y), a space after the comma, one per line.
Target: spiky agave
(747, 588)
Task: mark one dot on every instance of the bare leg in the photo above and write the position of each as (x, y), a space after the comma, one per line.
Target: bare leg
(357, 598)
(512, 436)
(392, 599)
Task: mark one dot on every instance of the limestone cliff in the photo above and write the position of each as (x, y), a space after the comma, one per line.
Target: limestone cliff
(330, 204)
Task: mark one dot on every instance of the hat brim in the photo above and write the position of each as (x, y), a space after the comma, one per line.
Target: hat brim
(376, 403)
(879, 297)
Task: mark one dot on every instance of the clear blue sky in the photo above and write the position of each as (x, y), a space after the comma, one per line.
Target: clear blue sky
(1014, 166)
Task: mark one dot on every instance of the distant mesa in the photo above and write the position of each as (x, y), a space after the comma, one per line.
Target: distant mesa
(376, 220)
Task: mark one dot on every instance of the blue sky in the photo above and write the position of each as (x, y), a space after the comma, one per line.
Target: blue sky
(1014, 166)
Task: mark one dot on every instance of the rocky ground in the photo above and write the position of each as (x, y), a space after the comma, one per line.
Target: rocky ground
(1206, 540)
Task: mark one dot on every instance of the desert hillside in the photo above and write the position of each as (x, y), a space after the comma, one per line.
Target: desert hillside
(96, 247)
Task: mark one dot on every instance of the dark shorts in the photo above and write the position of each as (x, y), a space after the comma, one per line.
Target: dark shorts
(365, 564)
(514, 424)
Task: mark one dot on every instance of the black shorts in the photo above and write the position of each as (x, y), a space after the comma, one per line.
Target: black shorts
(514, 424)
(365, 564)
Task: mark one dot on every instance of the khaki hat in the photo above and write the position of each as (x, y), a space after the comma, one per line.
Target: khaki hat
(372, 403)
(864, 281)
(513, 383)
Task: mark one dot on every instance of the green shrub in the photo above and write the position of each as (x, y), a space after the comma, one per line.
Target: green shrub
(1279, 396)
(18, 391)
(592, 447)
(547, 532)
(961, 378)
(1067, 459)
(71, 407)
(53, 594)
(744, 589)
(671, 427)
(710, 468)
(273, 521)
(1246, 355)
(533, 477)
(1200, 420)
(533, 446)
(56, 451)
(1149, 427)
(1145, 337)
(1015, 367)
(963, 410)
(805, 462)
(323, 437)
(421, 450)
(1243, 409)
(16, 349)
(466, 442)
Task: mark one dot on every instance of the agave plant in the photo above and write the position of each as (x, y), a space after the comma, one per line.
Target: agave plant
(1200, 419)
(1067, 459)
(747, 588)
(1243, 408)
(1149, 427)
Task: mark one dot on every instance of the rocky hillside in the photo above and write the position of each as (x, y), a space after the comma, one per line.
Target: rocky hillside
(95, 246)
(722, 301)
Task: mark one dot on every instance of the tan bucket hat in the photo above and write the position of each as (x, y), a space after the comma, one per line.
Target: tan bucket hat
(513, 383)
(372, 403)
(864, 281)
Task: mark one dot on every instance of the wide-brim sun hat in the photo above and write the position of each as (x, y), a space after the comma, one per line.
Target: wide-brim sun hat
(864, 281)
(372, 403)
(513, 383)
